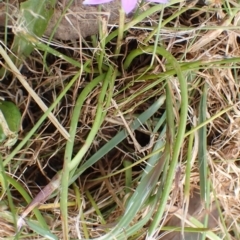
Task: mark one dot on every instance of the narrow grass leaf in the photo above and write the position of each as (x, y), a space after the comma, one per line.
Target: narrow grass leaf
(202, 149)
(128, 176)
(41, 231)
(119, 137)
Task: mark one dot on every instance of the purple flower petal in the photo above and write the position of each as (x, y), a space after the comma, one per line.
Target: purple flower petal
(158, 1)
(128, 5)
(96, 2)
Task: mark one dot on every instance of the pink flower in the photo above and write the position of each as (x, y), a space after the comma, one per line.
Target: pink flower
(127, 5)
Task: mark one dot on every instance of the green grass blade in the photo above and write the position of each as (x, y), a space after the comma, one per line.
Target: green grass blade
(119, 137)
(202, 149)
(41, 231)
(177, 143)
(71, 164)
(141, 194)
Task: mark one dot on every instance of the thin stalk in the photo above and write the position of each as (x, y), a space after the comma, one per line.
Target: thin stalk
(102, 37)
(206, 206)
(80, 209)
(209, 120)
(187, 177)
(96, 208)
(128, 176)
(120, 31)
(165, 22)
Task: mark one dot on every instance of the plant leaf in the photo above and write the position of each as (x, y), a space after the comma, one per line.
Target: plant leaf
(33, 20)
(12, 115)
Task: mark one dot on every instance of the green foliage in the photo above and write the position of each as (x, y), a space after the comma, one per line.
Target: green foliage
(10, 118)
(33, 20)
(11, 114)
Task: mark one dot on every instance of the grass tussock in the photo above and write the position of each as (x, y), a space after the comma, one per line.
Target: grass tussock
(143, 139)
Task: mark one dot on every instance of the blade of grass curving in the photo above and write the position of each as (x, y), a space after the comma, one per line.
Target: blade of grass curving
(202, 147)
(118, 138)
(181, 131)
(104, 98)
(177, 143)
(69, 164)
(76, 113)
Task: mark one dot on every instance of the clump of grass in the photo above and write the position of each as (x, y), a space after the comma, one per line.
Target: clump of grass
(152, 137)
